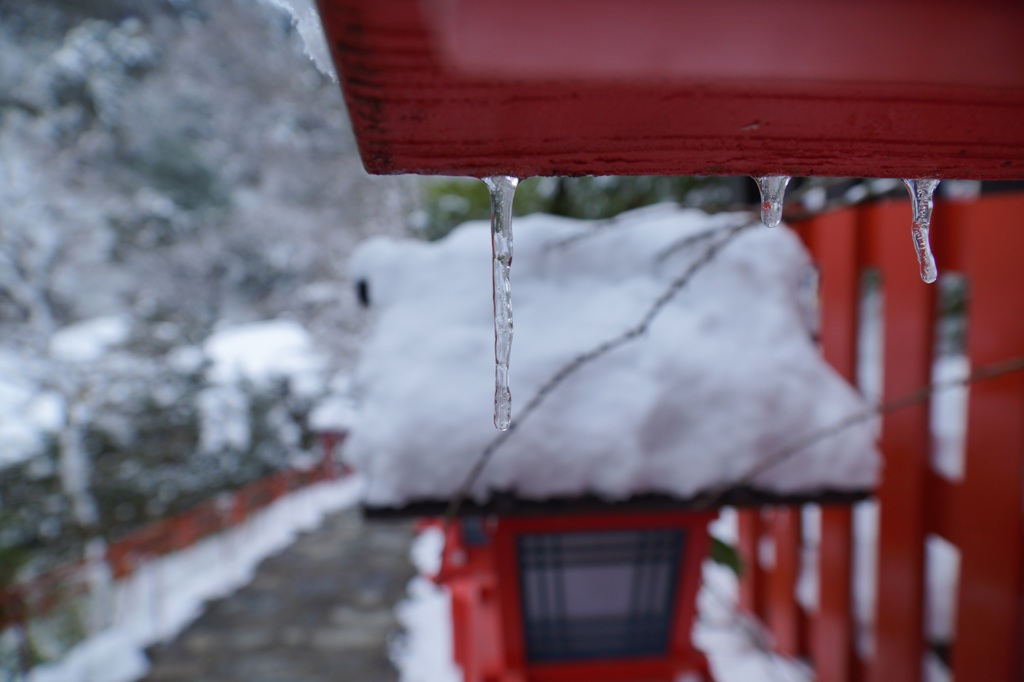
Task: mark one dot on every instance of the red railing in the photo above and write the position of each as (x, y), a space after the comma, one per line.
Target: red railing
(40, 595)
(983, 241)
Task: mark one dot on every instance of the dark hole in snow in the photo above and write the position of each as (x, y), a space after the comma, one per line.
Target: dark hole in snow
(363, 293)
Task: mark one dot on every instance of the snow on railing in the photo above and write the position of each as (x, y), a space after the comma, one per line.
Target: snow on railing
(25, 606)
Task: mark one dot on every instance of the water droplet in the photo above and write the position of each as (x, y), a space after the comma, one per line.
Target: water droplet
(773, 190)
(503, 190)
(922, 192)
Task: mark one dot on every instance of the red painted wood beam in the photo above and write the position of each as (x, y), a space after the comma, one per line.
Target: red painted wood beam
(796, 87)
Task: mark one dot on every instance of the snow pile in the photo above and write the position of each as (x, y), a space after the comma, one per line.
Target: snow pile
(727, 376)
(426, 653)
(27, 412)
(738, 647)
(306, 20)
(91, 340)
(336, 411)
(255, 356)
(262, 352)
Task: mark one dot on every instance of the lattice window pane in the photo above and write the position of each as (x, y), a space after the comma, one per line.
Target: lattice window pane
(598, 594)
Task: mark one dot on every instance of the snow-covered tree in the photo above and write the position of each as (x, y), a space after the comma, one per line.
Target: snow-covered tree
(168, 171)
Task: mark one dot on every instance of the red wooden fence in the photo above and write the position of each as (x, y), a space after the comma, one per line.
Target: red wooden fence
(981, 514)
(40, 595)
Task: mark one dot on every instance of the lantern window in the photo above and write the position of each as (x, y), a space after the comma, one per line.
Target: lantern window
(598, 594)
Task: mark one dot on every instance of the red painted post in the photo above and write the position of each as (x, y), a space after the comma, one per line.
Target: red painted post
(752, 586)
(834, 242)
(909, 309)
(988, 644)
(784, 613)
(329, 442)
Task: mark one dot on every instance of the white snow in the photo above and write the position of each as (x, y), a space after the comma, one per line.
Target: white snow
(726, 376)
(90, 340)
(225, 419)
(942, 573)
(738, 648)
(261, 352)
(306, 20)
(333, 413)
(256, 354)
(949, 415)
(27, 412)
(427, 550)
(337, 410)
(166, 594)
(426, 652)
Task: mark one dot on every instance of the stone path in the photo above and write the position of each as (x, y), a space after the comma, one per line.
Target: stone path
(320, 611)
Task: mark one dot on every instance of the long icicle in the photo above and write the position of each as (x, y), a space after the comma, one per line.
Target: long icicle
(773, 191)
(922, 192)
(503, 190)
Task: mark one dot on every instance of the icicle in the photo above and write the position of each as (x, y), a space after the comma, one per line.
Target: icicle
(503, 190)
(921, 193)
(773, 189)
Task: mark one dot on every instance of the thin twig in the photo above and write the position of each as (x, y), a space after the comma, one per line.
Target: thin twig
(921, 395)
(579, 361)
(598, 227)
(692, 239)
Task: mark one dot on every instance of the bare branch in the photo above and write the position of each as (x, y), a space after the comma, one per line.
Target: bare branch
(688, 241)
(598, 227)
(921, 395)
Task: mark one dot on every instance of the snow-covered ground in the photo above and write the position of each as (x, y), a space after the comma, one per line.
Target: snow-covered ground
(166, 594)
(726, 377)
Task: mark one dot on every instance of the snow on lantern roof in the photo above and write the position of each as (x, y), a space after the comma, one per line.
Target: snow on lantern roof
(726, 377)
(608, 87)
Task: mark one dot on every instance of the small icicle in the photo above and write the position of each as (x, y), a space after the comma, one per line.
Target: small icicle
(921, 193)
(773, 190)
(503, 190)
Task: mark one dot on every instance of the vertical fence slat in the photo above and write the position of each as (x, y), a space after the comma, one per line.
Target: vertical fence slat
(752, 586)
(784, 613)
(909, 310)
(988, 643)
(834, 241)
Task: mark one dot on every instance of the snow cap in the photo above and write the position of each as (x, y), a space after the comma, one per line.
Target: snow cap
(727, 376)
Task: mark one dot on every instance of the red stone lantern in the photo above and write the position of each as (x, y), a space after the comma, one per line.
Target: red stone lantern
(585, 596)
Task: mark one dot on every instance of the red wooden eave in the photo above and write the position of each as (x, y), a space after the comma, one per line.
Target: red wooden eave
(740, 87)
